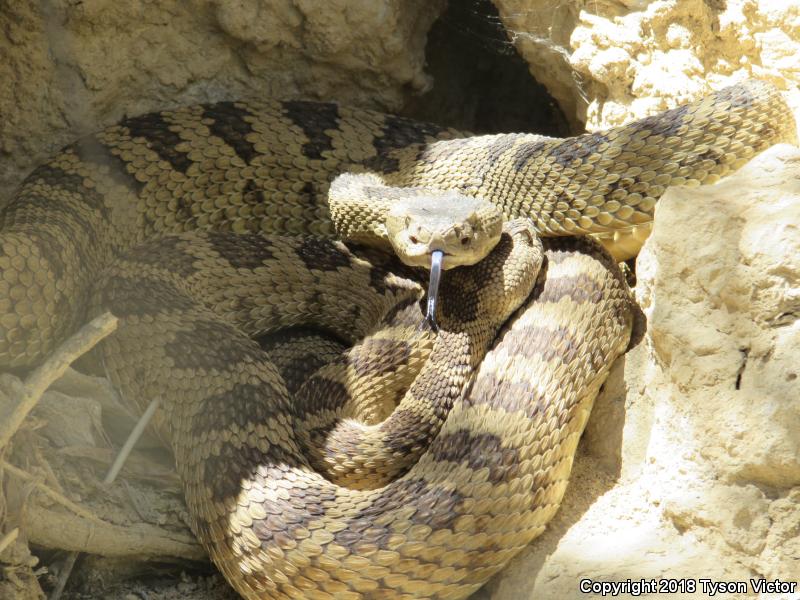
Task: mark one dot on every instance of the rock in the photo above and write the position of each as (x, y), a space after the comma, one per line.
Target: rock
(610, 62)
(70, 68)
(540, 30)
(690, 465)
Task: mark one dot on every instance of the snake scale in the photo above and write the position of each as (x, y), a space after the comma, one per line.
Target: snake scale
(499, 461)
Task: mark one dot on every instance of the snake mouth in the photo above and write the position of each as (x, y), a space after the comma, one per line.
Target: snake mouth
(449, 260)
(422, 257)
(437, 257)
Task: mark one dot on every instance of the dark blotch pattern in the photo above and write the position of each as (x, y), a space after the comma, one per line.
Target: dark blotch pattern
(577, 148)
(296, 371)
(50, 246)
(384, 265)
(397, 133)
(579, 288)
(231, 126)
(139, 297)
(714, 154)
(493, 155)
(242, 251)
(167, 252)
(408, 312)
(321, 254)
(183, 211)
(298, 351)
(510, 396)
(319, 393)
(285, 516)
(223, 473)
(458, 304)
(550, 343)
(377, 279)
(478, 451)
(408, 432)
(382, 356)
(159, 137)
(72, 182)
(496, 150)
(440, 393)
(74, 221)
(309, 194)
(252, 194)
(526, 152)
(667, 123)
(211, 345)
(314, 119)
(434, 506)
(245, 404)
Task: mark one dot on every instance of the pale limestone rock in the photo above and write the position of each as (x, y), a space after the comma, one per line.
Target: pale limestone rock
(611, 61)
(540, 30)
(690, 465)
(79, 66)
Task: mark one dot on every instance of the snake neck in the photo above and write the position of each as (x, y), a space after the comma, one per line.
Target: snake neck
(360, 219)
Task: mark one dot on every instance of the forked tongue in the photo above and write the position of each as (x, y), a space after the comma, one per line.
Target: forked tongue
(433, 287)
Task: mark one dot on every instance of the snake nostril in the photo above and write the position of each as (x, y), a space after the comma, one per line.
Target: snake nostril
(413, 239)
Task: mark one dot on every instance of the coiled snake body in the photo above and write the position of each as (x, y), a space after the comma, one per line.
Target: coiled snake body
(498, 465)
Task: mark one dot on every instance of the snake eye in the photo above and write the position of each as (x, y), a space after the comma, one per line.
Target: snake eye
(413, 239)
(464, 241)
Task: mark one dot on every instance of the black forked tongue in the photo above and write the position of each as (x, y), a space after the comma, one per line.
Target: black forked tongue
(433, 288)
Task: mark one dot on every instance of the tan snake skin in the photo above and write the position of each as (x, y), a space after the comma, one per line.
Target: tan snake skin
(248, 166)
(500, 457)
(499, 461)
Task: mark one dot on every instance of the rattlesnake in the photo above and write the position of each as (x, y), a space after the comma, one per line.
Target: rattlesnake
(271, 523)
(498, 467)
(267, 166)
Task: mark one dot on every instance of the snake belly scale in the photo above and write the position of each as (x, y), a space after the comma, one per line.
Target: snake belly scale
(499, 462)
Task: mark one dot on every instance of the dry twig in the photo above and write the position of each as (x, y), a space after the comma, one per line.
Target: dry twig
(8, 539)
(50, 370)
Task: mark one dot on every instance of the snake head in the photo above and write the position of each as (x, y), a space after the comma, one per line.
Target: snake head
(462, 228)
(425, 227)
(441, 231)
